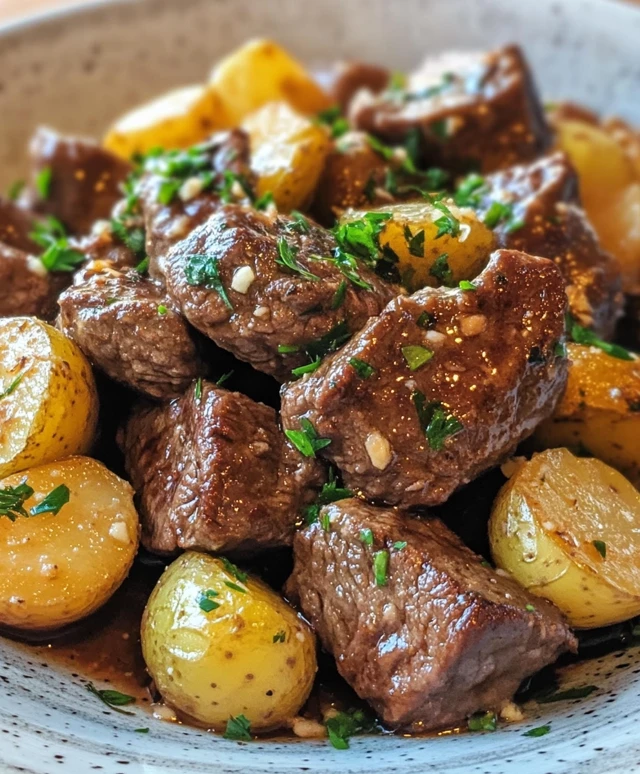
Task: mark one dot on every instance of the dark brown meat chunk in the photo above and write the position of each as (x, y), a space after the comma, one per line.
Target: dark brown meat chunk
(471, 109)
(127, 327)
(85, 179)
(490, 368)
(16, 224)
(225, 154)
(269, 305)
(443, 637)
(349, 78)
(213, 472)
(544, 198)
(25, 286)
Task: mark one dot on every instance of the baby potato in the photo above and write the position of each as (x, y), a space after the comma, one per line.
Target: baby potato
(565, 528)
(599, 411)
(288, 152)
(177, 119)
(411, 234)
(260, 72)
(219, 643)
(48, 398)
(58, 567)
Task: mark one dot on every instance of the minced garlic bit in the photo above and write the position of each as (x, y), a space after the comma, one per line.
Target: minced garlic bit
(35, 266)
(243, 278)
(473, 324)
(378, 449)
(465, 230)
(191, 187)
(178, 227)
(511, 712)
(308, 729)
(261, 311)
(118, 531)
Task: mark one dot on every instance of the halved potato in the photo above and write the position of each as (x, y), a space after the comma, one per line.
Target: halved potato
(56, 568)
(260, 72)
(566, 528)
(600, 410)
(48, 403)
(288, 152)
(411, 234)
(220, 643)
(177, 119)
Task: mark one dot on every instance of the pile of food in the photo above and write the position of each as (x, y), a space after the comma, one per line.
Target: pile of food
(298, 321)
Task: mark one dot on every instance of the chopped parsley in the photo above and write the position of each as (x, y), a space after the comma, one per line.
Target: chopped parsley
(13, 498)
(309, 368)
(325, 521)
(339, 296)
(425, 320)
(530, 608)
(369, 189)
(436, 422)
(447, 223)
(415, 242)
(53, 502)
(330, 342)
(43, 182)
(366, 536)
(483, 721)
(12, 386)
(399, 545)
(306, 440)
(500, 212)
(132, 237)
(206, 601)
(143, 266)
(416, 356)
(287, 257)
(587, 337)
(197, 392)
(225, 377)
(332, 118)
(330, 493)
(440, 129)
(381, 567)
(344, 725)
(299, 223)
(441, 270)
(466, 285)
(113, 699)
(601, 547)
(15, 189)
(364, 370)
(203, 270)
(231, 568)
(280, 636)
(560, 349)
(235, 587)
(288, 349)
(571, 693)
(57, 255)
(469, 191)
(162, 309)
(238, 729)
(265, 201)
(539, 731)
(141, 730)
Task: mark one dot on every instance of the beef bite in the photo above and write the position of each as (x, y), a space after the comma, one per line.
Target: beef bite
(265, 287)
(469, 109)
(213, 472)
(16, 226)
(543, 217)
(419, 626)
(442, 385)
(74, 179)
(25, 285)
(127, 327)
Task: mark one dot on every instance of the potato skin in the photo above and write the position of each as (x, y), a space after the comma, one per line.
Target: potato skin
(57, 569)
(53, 410)
(599, 411)
(542, 530)
(226, 662)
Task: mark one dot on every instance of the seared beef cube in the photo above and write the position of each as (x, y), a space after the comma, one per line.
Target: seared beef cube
(418, 625)
(543, 218)
(84, 179)
(265, 287)
(442, 385)
(127, 327)
(25, 286)
(102, 248)
(181, 189)
(16, 224)
(213, 472)
(470, 110)
(349, 78)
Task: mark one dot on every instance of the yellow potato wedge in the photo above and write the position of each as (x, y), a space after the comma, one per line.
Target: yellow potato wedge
(260, 72)
(221, 643)
(48, 403)
(288, 153)
(424, 258)
(565, 528)
(62, 563)
(177, 119)
(599, 412)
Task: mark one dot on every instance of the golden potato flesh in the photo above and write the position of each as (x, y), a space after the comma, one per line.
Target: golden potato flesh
(56, 568)
(218, 644)
(600, 410)
(618, 227)
(288, 152)
(260, 72)
(425, 258)
(177, 119)
(48, 403)
(566, 528)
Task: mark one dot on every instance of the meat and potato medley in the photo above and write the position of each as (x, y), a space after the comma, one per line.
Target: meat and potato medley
(273, 324)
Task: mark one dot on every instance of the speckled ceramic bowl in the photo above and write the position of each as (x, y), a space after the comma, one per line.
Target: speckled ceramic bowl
(76, 71)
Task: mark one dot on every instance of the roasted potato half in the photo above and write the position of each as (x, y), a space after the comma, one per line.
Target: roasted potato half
(599, 413)
(177, 119)
(48, 398)
(566, 528)
(424, 258)
(69, 533)
(219, 643)
(260, 72)
(288, 152)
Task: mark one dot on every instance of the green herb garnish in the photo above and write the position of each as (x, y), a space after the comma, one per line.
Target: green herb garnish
(530, 608)
(280, 636)
(381, 567)
(12, 500)
(539, 731)
(339, 296)
(587, 337)
(470, 190)
(300, 224)
(330, 342)
(601, 547)
(306, 440)
(197, 392)
(162, 309)
(364, 370)
(238, 728)
(344, 725)
(225, 377)
(483, 721)
(231, 568)
(57, 255)
(366, 536)
(265, 201)
(425, 320)
(447, 223)
(436, 422)
(206, 601)
(441, 270)
(571, 693)
(15, 189)
(235, 587)
(330, 493)
(287, 257)
(466, 285)
(399, 545)
(12, 386)
(203, 270)
(131, 237)
(332, 117)
(416, 356)
(143, 266)
(415, 242)
(113, 699)
(53, 502)
(43, 182)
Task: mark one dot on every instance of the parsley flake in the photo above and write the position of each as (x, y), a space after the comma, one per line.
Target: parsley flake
(416, 356)
(280, 636)
(298, 223)
(113, 699)
(530, 608)
(587, 337)
(381, 567)
(238, 729)
(53, 502)
(43, 182)
(343, 725)
(265, 201)
(339, 296)
(366, 536)
(415, 242)
(483, 721)
(12, 386)
(12, 500)
(203, 270)
(197, 392)
(235, 587)
(441, 270)
(224, 378)
(131, 237)
(466, 285)
(571, 693)
(436, 422)
(601, 547)
(162, 309)
(447, 223)
(306, 440)
(231, 568)
(206, 601)
(331, 492)
(364, 370)
(57, 255)
(15, 189)
(287, 258)
(539, 731)
(399, 545)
